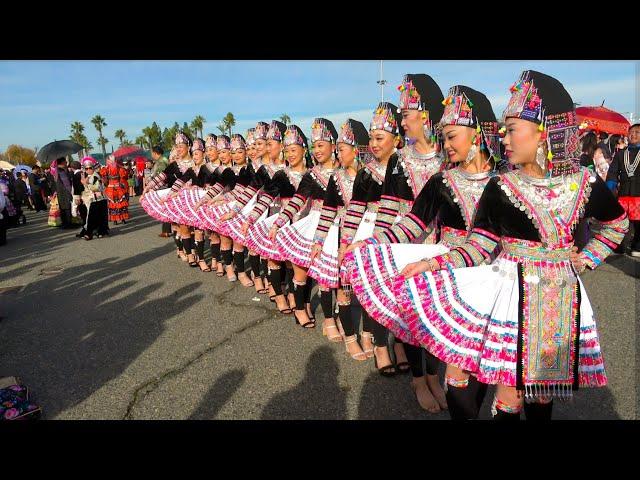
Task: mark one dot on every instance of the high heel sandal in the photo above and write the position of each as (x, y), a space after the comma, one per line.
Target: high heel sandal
(218, 272)
(231, 279)
(207, 267)
(192, 263)
(333, 338)
(249, 282)
(305, 325)
(183, 256)
(369, 351)
(387, 370)
(402, 364)
(360, 356)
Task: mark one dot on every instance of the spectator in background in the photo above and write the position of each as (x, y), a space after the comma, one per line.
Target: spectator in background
(148, 173)
(20, 195)
(140, 164)
(160, 162)
(37, 180)
(130, 180)
(27, 181)
(62, 187)
(624, 177)
(3, 219)
(614, 144)
(78, 210)
(604, 145)
(589, 145)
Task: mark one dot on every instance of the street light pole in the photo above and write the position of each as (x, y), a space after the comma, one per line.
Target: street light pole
(382, 82)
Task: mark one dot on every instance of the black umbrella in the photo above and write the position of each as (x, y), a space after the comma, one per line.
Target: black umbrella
(60, 148)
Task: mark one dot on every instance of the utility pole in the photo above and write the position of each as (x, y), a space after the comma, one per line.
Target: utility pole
(382, 82)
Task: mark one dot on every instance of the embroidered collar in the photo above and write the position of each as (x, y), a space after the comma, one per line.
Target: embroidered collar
(554, 205)
(466, 189)
(321, 175)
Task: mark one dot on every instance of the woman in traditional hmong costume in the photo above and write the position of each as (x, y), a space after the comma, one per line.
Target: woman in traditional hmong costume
(523, 323)
(274, 196)
(386, 134)
(186, 192)
(223, 181)
(159, 188)
(471, 141)
(294, 240)
(215, 166)
(244, 174)
(116, 179)
(233, 226)
(97, 210)
(352, 147)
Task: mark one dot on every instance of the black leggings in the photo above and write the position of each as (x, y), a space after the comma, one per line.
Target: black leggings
(227, 257)
(414, 355)
(275, 277)
(380, 333)
(238, 260)
(464, 402)
(326, 301)
(215, 252)
(346, 319)
(254, 260)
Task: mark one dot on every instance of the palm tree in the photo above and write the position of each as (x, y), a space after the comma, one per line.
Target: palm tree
(198, 124)
(229, 121)
(77, 136)
(120, 135)
(148, 134)
(222, 126)
(141, 140)
(100, 123)
(284, 118)
(102, 141)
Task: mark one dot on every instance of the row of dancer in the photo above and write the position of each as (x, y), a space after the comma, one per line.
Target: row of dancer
(457, 257)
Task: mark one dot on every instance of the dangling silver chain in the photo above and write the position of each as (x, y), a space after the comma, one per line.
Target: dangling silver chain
(631, 167)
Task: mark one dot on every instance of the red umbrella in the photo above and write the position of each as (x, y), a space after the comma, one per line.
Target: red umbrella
(127, 151)
(602, 119)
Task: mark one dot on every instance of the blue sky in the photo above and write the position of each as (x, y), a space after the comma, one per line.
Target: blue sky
(40, 99)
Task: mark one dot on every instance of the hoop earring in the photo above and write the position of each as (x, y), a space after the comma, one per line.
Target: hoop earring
(471, 155)
(541, 158)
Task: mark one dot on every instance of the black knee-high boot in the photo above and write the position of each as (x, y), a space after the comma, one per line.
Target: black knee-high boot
(298, 294)
(414, 355)
(265, 267)
(238, 261)
(326, 301)
(227, 257)
(215, 252)
(254, 260)
(200, 249)
(346, 319)
(432, 364)
(275, 277)
(186, 244)
(540, 412)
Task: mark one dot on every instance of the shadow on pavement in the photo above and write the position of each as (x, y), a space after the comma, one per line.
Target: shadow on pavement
(317, 397)
(67, 335)
(219, 394)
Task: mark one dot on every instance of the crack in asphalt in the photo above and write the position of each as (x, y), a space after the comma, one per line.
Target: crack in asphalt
(151, 385)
